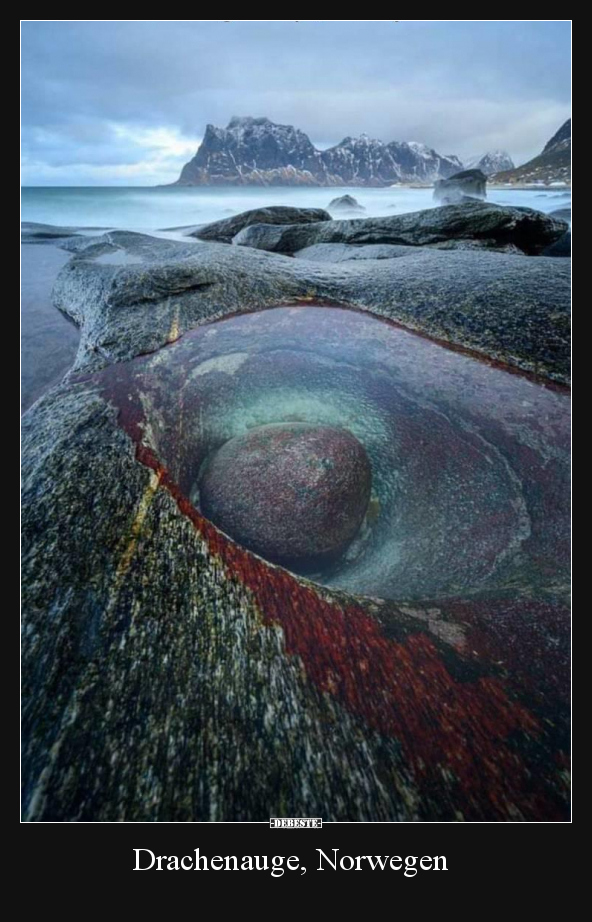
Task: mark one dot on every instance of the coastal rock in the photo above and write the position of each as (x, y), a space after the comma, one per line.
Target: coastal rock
(511, 308)
(293, 493)
(345, 203)
(561, 247)
(345, 252)
(463, 186)
(228, 228)
(563, 213)
(489, 225)
(31, 232)
(169, 675)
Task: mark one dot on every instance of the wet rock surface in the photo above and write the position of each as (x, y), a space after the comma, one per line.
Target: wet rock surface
(294, 493)
(223, 231)
(488, 225)
(171, 675)
(510, 308)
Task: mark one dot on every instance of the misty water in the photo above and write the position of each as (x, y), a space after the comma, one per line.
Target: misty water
(154, 208)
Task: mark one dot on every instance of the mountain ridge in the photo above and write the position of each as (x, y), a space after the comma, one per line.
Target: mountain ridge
(257, 151)
(553, 164)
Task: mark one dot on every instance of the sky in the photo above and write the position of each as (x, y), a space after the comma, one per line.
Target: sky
(126, 102)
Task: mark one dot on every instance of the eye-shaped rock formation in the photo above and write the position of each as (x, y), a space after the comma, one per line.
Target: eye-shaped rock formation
(172, 674)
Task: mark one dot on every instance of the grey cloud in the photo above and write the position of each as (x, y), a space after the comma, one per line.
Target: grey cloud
(461, 87)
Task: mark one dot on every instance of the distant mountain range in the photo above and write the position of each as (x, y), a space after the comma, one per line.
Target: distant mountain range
(257, 151)
(553, 164)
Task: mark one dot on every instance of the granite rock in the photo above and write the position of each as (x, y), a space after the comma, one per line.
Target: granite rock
(481, 224)
(228, 228)
(563, 213)
(345, 203)
(463, 186)
(294, 493)
(345, 252)
(171, 676)
(561, 247)
(511, 308)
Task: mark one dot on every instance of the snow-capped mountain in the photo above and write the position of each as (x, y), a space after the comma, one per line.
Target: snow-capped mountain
(256, 151)
(492, 162)
(251, 150)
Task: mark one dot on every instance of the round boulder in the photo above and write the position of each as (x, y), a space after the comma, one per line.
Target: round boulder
(296, 494)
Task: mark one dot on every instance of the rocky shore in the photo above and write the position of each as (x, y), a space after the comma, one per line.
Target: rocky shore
(170, 674)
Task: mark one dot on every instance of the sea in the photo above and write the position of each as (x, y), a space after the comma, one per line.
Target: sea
(49, 340)
(158, 209)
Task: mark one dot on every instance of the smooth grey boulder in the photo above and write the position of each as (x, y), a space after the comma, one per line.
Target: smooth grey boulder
(345, 203)
(485, 224)
(223, 231)
(463, 185)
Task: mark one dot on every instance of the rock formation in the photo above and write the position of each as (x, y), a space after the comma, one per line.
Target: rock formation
(294, 493)
(345, 203)
(469, 225)
(462, 187)
(169, 674)
(228, 228)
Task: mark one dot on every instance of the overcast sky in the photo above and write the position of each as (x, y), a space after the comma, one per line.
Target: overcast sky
(126, 102)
